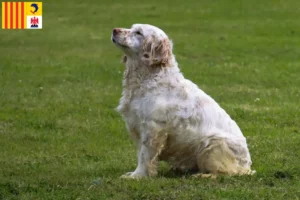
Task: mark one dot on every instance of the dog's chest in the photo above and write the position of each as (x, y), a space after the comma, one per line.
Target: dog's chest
(131, 107)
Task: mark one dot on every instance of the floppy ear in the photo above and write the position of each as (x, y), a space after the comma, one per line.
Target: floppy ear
(157, 53)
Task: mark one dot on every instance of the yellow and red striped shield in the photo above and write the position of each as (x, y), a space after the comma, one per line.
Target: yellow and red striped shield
(22, 15)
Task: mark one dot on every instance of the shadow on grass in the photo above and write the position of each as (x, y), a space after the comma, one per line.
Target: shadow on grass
(175, 173)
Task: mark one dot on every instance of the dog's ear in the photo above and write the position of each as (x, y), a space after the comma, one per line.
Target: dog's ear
(157, 53)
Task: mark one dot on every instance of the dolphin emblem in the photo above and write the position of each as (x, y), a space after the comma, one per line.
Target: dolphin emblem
(35, 6)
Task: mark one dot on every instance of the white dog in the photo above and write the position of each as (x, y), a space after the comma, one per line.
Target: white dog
(168, 116)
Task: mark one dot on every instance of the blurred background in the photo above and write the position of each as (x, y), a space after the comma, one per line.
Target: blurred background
(60, 137)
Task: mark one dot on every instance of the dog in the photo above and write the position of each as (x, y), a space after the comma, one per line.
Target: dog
(168, 117)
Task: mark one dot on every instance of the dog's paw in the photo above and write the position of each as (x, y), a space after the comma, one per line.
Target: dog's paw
(200, 175)
(132, 175)
(127, 175)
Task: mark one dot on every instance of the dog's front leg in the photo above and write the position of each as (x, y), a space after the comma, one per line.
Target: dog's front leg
(146, 154)
(151, 144)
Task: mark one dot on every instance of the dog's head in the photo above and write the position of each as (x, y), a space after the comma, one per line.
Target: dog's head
(146, 43)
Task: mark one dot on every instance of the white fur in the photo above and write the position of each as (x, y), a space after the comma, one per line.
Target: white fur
(168, 116)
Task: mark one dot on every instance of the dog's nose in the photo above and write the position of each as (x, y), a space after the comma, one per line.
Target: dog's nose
(116, 31)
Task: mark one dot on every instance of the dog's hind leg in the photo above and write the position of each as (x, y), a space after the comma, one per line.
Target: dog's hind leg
(217, 158)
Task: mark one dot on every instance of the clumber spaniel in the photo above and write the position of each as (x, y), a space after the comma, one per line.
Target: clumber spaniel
(169, 117)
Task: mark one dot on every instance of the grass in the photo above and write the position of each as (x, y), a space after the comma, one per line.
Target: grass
(60, 137)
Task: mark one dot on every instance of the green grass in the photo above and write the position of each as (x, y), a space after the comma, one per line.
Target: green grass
(60, 137)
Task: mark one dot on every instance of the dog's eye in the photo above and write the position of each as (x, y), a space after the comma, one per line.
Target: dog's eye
(138, 33)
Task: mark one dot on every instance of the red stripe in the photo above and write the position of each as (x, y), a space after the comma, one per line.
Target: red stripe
(11, 15)
(22, 14)
(6, 17)
(17, 15)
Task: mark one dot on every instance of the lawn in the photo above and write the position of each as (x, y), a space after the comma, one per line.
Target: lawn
(60, 137)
